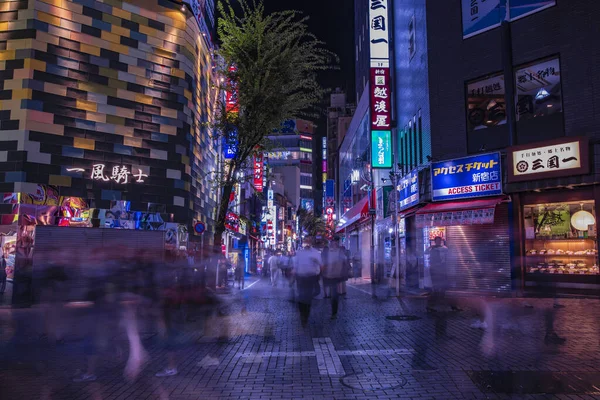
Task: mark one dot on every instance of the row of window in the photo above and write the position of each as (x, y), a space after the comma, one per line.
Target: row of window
(537, 93)
(411, 143)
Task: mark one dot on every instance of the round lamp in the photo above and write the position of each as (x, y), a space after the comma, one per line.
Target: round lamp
(581, 219)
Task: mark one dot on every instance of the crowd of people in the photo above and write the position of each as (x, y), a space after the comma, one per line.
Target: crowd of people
(304, 272)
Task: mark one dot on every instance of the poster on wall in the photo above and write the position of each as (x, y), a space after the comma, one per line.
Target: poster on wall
(538, 89)
(486, 106)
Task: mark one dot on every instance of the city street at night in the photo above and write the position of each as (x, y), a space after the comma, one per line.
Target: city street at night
(255, 348)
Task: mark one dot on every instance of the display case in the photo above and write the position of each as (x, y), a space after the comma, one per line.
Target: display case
(561, 239)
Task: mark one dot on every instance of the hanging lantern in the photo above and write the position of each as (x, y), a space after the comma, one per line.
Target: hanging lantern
(582, 219)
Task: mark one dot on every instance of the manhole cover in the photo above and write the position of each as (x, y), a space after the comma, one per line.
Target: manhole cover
(403, 317)
(371, 381)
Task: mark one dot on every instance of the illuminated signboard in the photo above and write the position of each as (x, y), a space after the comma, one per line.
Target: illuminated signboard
(408, 190)
(119, 174)
(381, 149)
(467, 177)
(380, 85)
(551, 159)
(258, 172)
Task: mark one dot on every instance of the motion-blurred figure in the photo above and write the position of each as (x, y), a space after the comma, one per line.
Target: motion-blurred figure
(307, 267)
(2, 275)
(438, 257)
(274, 262)
(239, 272)
(334, 272)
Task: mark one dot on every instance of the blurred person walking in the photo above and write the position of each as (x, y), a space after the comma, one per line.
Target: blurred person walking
(335, 270)
(274, 267)
(438, 258)
(239, 272)
(307, 267)
(2, 275)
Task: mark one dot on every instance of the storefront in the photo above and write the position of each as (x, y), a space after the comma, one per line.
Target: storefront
(471, 216)
(355, 227)
(557, 223)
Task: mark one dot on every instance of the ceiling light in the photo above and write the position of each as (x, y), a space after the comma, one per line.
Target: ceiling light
(183, 7)
(582, 219)
(542, 94)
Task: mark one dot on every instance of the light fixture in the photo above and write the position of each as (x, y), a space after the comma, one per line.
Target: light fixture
(582, 219)
(542, 94)
(183, 7)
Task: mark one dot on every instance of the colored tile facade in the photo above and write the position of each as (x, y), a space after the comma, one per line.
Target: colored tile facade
(113, 83)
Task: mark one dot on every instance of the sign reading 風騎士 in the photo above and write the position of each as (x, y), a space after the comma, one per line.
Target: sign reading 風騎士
(408, 190)
(381, 149)
(551, 159)
(474, 176)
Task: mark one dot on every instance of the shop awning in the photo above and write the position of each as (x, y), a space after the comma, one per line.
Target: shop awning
(468, 212)
(358, 212)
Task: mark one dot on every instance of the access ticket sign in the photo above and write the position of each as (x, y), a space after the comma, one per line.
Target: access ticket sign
(467, 177)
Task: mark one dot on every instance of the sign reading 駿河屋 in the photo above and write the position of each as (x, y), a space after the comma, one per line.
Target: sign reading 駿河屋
(408, 190)
(474, 176)
(380, 85)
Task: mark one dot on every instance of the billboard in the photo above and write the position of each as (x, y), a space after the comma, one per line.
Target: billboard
(479, 16)
(381, 149)
(467, 177)
(408, 190)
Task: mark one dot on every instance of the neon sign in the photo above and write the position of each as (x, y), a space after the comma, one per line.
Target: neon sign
(119, 174)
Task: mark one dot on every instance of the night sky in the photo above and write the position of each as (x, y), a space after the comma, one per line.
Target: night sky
(332, 21)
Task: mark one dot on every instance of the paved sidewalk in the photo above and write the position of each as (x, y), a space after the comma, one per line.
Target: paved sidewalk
(382, 348)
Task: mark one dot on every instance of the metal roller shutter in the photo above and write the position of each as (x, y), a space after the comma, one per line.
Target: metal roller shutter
(480, 254)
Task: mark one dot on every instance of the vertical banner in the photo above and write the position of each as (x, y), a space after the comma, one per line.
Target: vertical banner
(258, 172)
(380, 85)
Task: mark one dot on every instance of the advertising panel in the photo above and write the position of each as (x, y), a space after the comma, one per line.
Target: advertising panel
(380, 96)
(466, 177)
(551, 159)
(408, 189)
(479, 16)
(381, 149)
(258, 172)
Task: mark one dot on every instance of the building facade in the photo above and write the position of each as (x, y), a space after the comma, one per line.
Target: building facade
(104, 109)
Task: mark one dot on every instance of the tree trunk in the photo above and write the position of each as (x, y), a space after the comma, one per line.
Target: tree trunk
(223, 208)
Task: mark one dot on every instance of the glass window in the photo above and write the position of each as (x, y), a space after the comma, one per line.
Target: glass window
(561, 238)
(411, 38)
(486, 106)
(538, 89)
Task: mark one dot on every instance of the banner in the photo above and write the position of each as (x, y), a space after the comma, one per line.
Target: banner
(381, 149)
(258, 172)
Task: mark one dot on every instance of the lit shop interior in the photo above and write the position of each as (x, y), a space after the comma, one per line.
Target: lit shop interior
(561, 243)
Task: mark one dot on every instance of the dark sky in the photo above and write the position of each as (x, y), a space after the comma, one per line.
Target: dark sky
(332, 21)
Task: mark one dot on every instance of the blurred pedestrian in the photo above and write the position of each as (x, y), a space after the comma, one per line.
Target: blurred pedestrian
(438, 257)
(274, 267)
(239, 272)
(335, 270)
(307, 267)
(2, 275)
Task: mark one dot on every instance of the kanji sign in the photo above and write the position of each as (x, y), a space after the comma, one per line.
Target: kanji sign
(381, 149)
(408, 190)
(474, 176)
(560, 157)
(381, 105)
(120, 174)
(258, 172)
(378, 29)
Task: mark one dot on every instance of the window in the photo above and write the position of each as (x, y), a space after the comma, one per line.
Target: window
(416, 142)
(538, 89)
(411, 38)
(486, 106)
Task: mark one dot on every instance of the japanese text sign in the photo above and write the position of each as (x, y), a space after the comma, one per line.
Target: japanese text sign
(560, 157)
(258, 172)
(230, 145)
(381, 106)
(408, 190)
(379, 29)
(381, 149)
(118, 174)
(467, 177)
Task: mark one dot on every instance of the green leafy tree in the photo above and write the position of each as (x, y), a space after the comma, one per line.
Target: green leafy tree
(270, 61)
(311, 224)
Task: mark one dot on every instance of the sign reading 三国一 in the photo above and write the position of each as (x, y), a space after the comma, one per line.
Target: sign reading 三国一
(474, 176)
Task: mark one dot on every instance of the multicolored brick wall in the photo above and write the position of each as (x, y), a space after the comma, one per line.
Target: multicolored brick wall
(113, 83)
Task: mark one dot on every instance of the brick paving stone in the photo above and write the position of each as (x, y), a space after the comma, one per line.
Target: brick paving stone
(268, 355)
